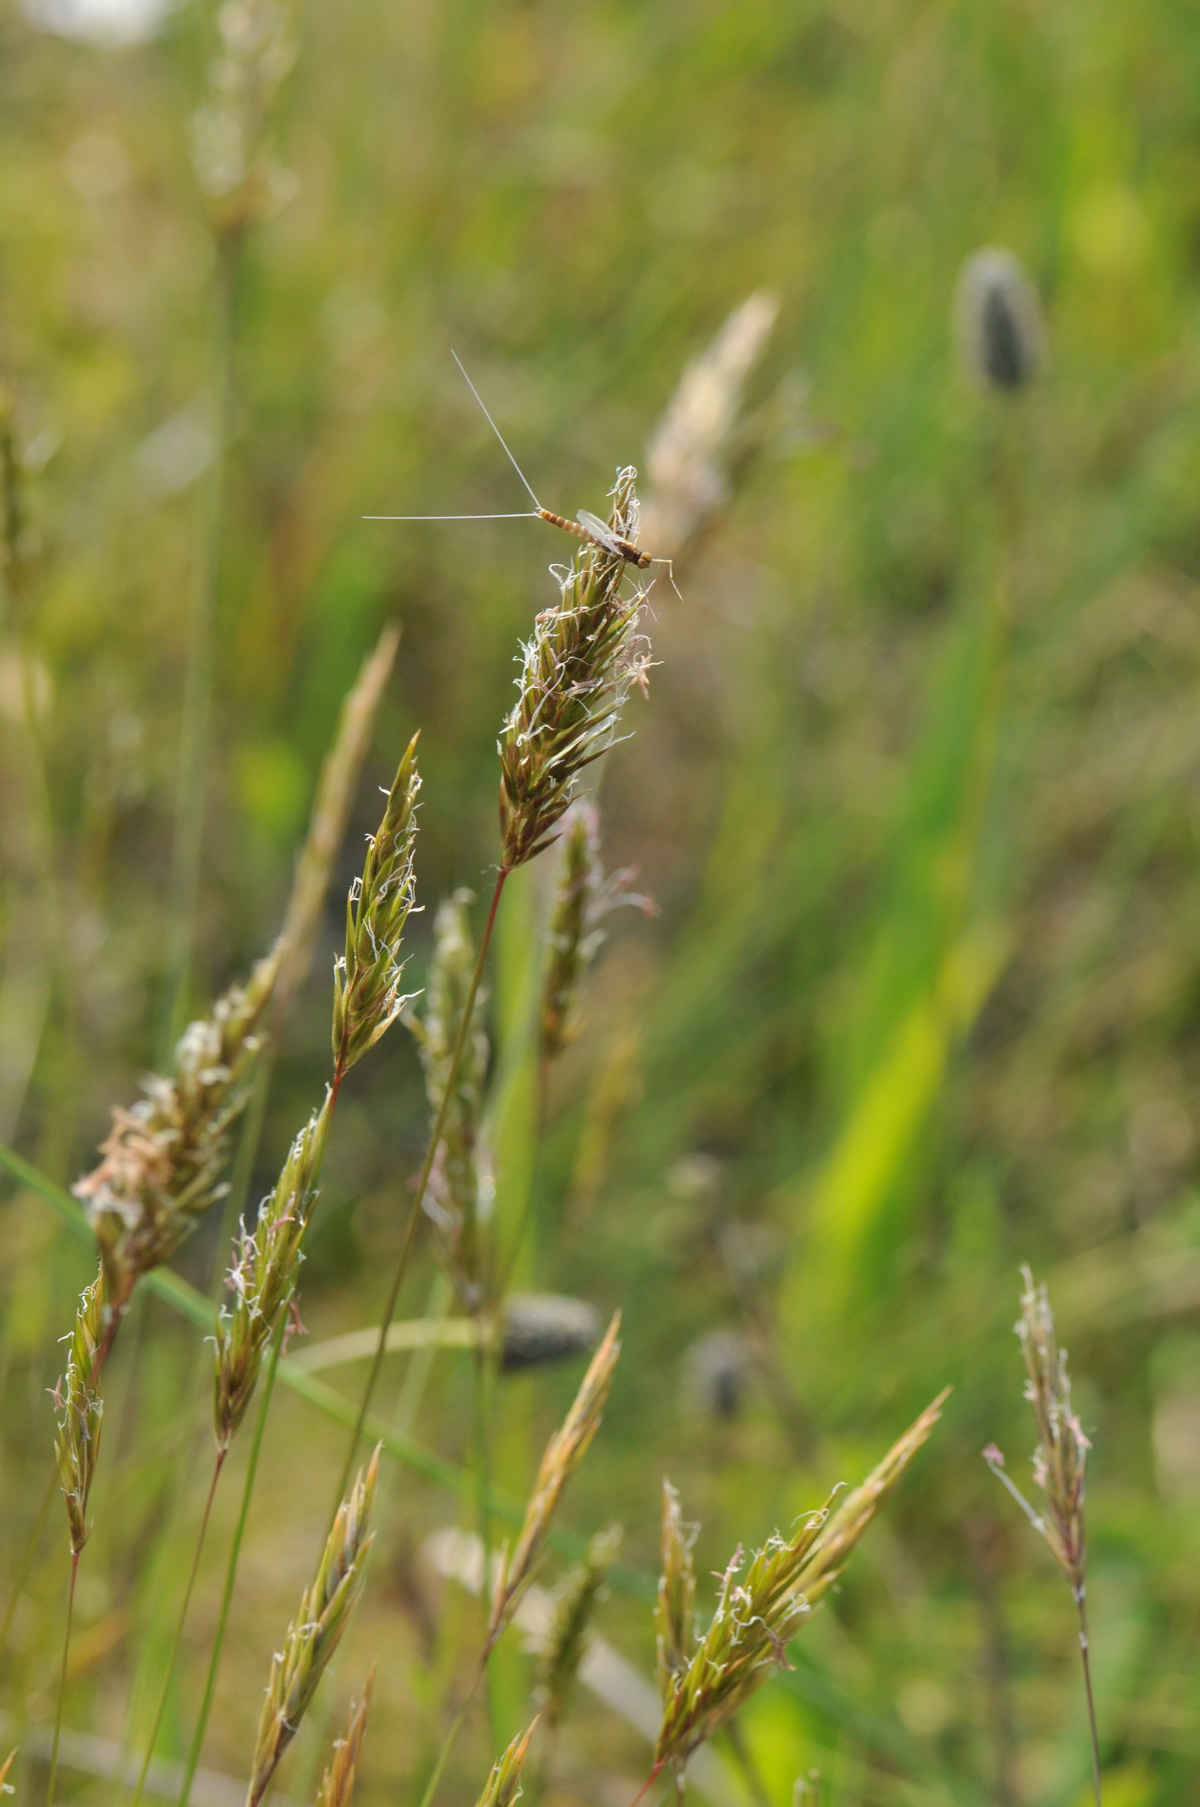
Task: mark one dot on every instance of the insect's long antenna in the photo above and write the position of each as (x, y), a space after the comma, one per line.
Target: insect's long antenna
(526, 514)
(495, 429)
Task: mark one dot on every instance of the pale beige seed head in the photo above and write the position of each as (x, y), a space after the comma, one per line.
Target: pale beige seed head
(686, 462)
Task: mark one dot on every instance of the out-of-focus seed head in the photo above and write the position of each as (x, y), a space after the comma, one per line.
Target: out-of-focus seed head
(230, 131)
(575, 1601)
(999, 321)
(459, 1194)
(540, 1328)
(503, 1787)
(716, 1371)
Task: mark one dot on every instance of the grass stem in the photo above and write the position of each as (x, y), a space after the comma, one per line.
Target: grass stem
(197, 701)
(231, 1568)
(1085, 1657)
(176, 1641)
(62, 1681)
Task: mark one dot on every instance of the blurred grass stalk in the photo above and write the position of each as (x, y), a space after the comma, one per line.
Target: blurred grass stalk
(30, 986)
(334, 797)
(241, 185)
(938, 948)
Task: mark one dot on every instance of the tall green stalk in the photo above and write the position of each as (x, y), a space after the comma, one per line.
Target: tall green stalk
(195, 734)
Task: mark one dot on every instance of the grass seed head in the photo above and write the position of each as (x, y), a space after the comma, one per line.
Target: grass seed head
(1060, 1459)
(583, 897)
(675, 1607)
(327, 824)
(576, 670)
(460, 1185)
(164, 1158)
(366, 987)
(338, 1782)
(315, 1632)
(80, 1408)
(263, 1277)
(759, 1611)
(575, 1601)
(230, 131)
(999, 321)
(503, 1786)
(564, 1452)
(686, 460)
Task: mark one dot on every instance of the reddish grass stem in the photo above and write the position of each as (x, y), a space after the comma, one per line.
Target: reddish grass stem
(1085, 1657)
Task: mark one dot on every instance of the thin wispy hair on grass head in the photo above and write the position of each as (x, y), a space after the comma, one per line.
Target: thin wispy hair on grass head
(80, 1409)
(459, 1188)
(315, 1632)
(759, 1610)
(564, 1452)
(367, 976)
(999, 321)
(576, 671)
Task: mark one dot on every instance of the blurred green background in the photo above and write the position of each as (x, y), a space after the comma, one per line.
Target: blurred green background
(915, 787)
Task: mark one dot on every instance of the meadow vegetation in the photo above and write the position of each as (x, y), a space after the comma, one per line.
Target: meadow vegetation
(414, 960)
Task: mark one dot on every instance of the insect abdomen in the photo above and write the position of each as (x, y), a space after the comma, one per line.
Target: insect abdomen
(557, 520)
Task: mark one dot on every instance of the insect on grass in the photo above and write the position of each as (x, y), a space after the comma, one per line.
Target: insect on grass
(586, 526)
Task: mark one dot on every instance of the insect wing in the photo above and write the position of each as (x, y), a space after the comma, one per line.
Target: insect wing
(599, 530)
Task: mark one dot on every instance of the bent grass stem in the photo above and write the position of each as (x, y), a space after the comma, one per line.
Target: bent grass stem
(414, 1217)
